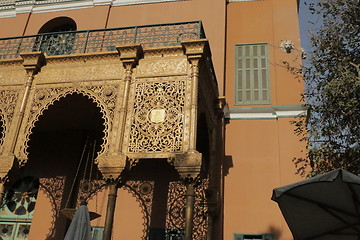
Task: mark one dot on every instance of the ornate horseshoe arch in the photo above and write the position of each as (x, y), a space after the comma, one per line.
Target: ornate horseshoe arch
(104, 96)
(2, 130)
(143, 192)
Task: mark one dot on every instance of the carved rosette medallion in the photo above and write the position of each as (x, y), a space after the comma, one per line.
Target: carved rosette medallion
(157, 120)
(104, 96)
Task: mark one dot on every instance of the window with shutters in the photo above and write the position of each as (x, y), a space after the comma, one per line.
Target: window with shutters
(252, 74)
(245, 236)
(97, 233)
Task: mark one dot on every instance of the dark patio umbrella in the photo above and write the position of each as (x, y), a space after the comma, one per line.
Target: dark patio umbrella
(325, 207)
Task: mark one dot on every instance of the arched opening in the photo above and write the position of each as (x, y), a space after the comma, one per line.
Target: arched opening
(57, 37)
(59, 24)
(62, 149)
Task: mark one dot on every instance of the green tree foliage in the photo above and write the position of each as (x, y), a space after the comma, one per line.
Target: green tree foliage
(332, 80)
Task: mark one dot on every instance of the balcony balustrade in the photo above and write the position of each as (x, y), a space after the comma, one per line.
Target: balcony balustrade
(101, 40)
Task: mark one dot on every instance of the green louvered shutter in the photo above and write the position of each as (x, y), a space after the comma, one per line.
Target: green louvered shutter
(251, 74)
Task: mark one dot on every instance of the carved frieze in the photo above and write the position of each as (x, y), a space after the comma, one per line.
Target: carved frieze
(173, 51)
(12, 73)
(84, 68)
(161, 67)
(156, 122)
(42, 97)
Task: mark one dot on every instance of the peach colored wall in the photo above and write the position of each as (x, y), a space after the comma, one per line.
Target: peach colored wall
(98, 16)
(42, 218)
(211, 12)
(128, 220)
(261, 152)
(254, 22)
(12, 27)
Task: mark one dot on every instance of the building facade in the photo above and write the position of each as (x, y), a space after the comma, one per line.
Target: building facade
(170, 119)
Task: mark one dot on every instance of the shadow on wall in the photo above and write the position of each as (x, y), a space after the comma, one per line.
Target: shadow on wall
(228, 163)
(276, 232)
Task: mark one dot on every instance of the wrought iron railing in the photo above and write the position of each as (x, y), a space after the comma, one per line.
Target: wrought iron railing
(101, 40)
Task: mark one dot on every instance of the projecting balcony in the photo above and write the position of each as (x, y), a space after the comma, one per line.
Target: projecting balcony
(101, 40)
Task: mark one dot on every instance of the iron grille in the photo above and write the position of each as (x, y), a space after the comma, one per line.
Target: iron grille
(101, 40)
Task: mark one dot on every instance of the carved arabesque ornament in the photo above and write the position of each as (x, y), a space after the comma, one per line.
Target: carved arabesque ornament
(157, 121)
(143, 192)
(175, 218)
(53, 188)
(104, 96)
(8, 100)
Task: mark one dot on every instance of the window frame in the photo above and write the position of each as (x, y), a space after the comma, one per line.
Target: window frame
(264, 236)
(242, 81)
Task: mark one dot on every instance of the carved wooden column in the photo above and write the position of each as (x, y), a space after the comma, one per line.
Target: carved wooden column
(113, 164)
(189, 209)
(110, 211)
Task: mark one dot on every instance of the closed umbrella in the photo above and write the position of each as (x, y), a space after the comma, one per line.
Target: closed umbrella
(80, 225)
(325, 207)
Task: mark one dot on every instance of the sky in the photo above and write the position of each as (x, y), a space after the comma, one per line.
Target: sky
(305, 17)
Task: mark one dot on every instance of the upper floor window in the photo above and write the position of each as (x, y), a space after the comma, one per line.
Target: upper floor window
(61, 41)
(251, 74)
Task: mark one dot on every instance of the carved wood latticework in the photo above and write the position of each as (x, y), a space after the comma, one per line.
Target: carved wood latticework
(175, 219)
(8, 101)
(143, 192)
(53, 188)
(157, 123)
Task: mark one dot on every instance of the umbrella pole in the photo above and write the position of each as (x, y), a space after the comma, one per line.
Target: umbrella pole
(110, 211)
(189, 210)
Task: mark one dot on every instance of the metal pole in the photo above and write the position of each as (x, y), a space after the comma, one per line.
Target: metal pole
(189, 210)
(110, 211)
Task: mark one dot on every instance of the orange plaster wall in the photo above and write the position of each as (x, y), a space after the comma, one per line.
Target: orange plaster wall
(128, 220)
(42, 218)
(13, 26)
(254, 22)
(87, 18)
(261, 152)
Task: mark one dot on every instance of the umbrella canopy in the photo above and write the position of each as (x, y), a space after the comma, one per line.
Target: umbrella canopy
(325, 207)
(80, 225)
